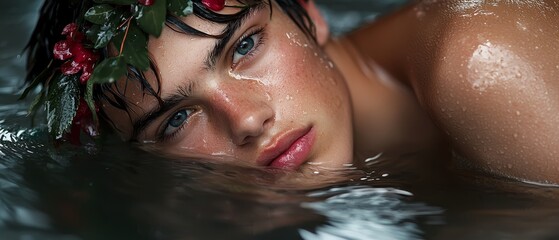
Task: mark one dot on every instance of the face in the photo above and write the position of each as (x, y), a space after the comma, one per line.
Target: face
(270, 98)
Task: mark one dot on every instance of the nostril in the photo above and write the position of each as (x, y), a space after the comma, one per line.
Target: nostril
(246, 141)
(248, 128)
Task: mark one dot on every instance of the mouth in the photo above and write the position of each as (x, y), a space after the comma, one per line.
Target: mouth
(290, 150)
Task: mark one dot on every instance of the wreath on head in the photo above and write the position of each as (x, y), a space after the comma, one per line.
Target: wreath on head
(68, 93)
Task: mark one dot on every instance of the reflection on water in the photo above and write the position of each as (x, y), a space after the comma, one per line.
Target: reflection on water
(131, 195)
(118, 192)
(360, 212)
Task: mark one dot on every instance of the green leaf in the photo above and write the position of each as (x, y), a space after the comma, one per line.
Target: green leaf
(151, 19)
(135, 47)
(62, 103)
(99, 14)
(89, 100)
(117, 2)
(101, 35)
(107, 71)
(180, 7)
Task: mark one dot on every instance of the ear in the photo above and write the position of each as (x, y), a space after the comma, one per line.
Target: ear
(322, 30)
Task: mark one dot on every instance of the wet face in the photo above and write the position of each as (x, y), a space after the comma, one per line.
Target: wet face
(271, 97)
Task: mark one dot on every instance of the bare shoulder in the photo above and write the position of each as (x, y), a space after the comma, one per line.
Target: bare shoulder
(488, 73)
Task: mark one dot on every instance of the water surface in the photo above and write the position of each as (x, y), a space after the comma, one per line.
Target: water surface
(115, 191)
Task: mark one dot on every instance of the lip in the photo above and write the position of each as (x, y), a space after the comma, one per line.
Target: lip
(288, 151)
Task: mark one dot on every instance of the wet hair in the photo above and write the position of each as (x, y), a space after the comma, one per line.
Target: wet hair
(55, 14)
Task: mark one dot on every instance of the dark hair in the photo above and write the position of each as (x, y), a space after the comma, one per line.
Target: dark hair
(55, 14)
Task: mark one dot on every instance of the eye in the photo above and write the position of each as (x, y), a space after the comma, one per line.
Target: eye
(177, 121)
(247, 45)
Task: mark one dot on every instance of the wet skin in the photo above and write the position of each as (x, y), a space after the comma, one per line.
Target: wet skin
(474, 70)
(279, 102)
(486, 73)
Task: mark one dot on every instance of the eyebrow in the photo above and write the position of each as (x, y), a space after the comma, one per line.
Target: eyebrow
(171, 101)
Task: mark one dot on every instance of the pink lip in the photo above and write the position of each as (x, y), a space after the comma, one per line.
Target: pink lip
(290, 150)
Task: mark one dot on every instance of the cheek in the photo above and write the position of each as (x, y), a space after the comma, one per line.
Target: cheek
(205, 140)
(309, 72)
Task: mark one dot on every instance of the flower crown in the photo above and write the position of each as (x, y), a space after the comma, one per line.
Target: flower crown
(68, 93)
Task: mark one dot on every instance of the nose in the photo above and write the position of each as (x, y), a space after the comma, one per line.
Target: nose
(244, 108)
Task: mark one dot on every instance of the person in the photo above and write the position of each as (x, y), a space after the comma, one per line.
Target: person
(263, 84)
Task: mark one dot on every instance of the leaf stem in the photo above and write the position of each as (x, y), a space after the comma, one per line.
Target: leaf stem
(127, 22)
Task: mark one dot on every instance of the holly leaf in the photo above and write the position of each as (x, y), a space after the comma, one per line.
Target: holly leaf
(107, 71)
(102, 34)
(62, 103)
(117, 2)
(99, 14)
(151, 19)
(135, 47)
(180, 7)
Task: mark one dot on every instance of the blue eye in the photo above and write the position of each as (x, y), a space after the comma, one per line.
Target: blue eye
(247, 46)
(177, 120)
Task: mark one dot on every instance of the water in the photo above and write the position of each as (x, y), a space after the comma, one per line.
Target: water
(118, 192)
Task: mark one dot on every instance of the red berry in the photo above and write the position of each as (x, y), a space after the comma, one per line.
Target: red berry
(77, 37)
(86, 74)
(83, 111)
(74, 135)
(70, 28)
(82, 54)
(146, 2)
(214, 5)
(61, 50)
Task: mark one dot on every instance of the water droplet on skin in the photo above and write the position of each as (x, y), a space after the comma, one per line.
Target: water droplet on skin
(332, 81)
(517, 113)
(338, 102)
(509, 166)
(288, 97)
(515, 135)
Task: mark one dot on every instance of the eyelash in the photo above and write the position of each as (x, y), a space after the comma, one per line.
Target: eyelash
(253, 51)
(167, 137)
(170, 136)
